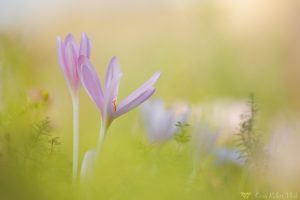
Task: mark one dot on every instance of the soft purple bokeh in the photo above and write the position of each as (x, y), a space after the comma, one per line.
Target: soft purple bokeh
(229, 155)
(160, 122)
(204, 140)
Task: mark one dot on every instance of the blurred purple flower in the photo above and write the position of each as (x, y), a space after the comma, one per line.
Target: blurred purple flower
(159, 122)
(228, 155)
(204, 140)
(68, 54)
(106, 99)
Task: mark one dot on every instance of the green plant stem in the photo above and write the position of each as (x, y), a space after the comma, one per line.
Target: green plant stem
(75, 101)
(101, 138)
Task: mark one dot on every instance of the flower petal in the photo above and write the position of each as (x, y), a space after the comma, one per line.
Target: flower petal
(112, 82)
(67, 61)
(126, 106)
(113, 73)
(60, 47)
(91, 82)
(70, 56)
(70, 43)
(85, 45)
(154, 113)
(146, 86)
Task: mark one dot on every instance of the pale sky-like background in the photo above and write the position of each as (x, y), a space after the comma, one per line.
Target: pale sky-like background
(18, 11)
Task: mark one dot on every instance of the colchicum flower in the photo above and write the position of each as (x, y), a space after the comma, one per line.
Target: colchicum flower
(106, 98)
(68, 54)
(160, 122)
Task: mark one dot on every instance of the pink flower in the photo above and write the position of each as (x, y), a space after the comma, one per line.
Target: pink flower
(68, 54)
(106, 98)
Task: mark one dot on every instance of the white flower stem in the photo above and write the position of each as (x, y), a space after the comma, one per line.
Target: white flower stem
(75, 101)
(101, 138)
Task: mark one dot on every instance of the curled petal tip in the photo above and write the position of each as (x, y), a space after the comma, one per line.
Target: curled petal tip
(156, 76)
(114, 58)
(68, 38)
(132, 102)
(114, 62)
(85, 45)
(69, 35)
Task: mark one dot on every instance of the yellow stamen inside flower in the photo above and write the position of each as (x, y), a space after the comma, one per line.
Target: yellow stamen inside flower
(115, 105)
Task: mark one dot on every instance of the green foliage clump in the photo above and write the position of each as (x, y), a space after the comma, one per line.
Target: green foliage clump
(183, 135)
(249, 139)
(27, 143)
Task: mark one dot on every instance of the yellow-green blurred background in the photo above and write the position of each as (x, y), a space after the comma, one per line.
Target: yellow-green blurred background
(206, 50)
